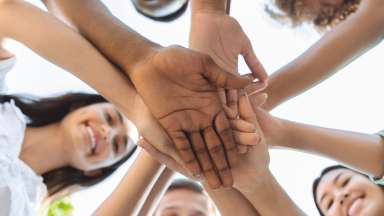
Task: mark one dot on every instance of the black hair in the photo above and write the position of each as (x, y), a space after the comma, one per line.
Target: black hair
(316, 183)
(166, 18)
(48, 110)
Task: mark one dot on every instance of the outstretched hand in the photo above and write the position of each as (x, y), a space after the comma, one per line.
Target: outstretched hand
(221, 37)
(179, 86)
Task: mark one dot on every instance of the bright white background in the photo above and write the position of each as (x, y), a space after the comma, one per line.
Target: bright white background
(351, 100)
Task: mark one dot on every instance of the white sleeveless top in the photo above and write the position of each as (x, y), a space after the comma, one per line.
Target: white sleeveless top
(21, 190)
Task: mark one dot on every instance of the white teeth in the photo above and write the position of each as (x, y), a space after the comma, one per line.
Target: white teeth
(92, 136)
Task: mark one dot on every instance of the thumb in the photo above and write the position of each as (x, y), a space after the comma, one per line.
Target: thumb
(224, 79)
(257, 100)
(253, 62)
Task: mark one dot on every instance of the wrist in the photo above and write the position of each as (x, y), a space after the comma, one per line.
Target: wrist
(209, 6)
(256, 182)
(279, 135)
(138, 53)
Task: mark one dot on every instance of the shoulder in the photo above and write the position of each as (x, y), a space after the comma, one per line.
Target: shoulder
(6, 65)
(21, 190)
(12, 129)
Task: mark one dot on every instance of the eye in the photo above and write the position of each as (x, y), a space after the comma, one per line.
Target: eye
(345, 182)
(108, 117)
(330, 204)
(115, 145)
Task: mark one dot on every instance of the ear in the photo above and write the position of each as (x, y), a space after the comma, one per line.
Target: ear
(93, 173)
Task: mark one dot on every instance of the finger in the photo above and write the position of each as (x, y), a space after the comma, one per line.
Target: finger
(223, 79)
(232, 99)
(216, 152)
(253, 63)
(247, 138)
(204, 160)
(242, 126)
(242, 149)
(257, 100)
(222, 95)
(230, 113)
(156, 154)
(184, 149)
(255, 87)
(155, 133)
(224, 130)
(245, 109)
(248, 114)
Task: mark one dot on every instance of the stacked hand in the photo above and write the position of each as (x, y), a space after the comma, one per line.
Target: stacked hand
(221, 37)
(179, 86)
(253, 164)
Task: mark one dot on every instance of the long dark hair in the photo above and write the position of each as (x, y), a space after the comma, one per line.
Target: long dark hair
(323, 173)
(48, 110)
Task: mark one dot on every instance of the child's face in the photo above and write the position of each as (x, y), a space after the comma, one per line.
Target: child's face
(343, 192)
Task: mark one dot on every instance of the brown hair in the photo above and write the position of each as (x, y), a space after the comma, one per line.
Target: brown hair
(291, 12)
(48, 110)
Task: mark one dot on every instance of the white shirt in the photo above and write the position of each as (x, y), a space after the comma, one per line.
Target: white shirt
(21, 190)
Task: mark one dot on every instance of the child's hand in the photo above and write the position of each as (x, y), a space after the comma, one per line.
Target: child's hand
(253, 165)
(246, 133)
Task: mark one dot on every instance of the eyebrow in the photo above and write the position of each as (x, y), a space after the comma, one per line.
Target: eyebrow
(337, 178)
(121, 119)
(125, 140)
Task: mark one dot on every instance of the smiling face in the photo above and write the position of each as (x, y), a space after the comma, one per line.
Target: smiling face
(98, 136)
(343, 192)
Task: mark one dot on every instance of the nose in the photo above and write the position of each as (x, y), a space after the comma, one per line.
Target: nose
(105, 132)
(343, 198)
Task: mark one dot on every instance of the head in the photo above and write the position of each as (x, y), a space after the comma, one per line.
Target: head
(184, 198)
(322, 13)
(340, 191)
(161, 10)
(97, 137)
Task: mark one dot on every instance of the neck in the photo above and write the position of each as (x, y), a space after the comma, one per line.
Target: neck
(44, 148)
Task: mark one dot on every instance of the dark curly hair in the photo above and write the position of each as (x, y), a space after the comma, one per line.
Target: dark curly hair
(292, 12)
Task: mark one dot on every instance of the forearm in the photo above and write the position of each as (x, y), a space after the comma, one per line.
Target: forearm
(130, 194)
(268, 197)
(209, 5)
(59, 44)
(334, 50)
(363, 151)
(119, 43)
(231, 202)
(156, 193)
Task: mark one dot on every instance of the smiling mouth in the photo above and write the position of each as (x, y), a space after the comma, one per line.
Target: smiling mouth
(355, 206)
(92, 138)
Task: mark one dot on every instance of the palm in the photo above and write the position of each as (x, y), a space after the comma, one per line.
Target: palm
(222, 37)
(175, 83)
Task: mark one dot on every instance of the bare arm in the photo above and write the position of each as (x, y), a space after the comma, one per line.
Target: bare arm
(110, 36)
(231, 202)
(362, 151)
(132, 191)
(64, 47)
(347, 41)
(156, 193)
(209, 5)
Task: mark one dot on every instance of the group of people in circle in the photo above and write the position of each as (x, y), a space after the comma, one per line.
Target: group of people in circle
(195, 114)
